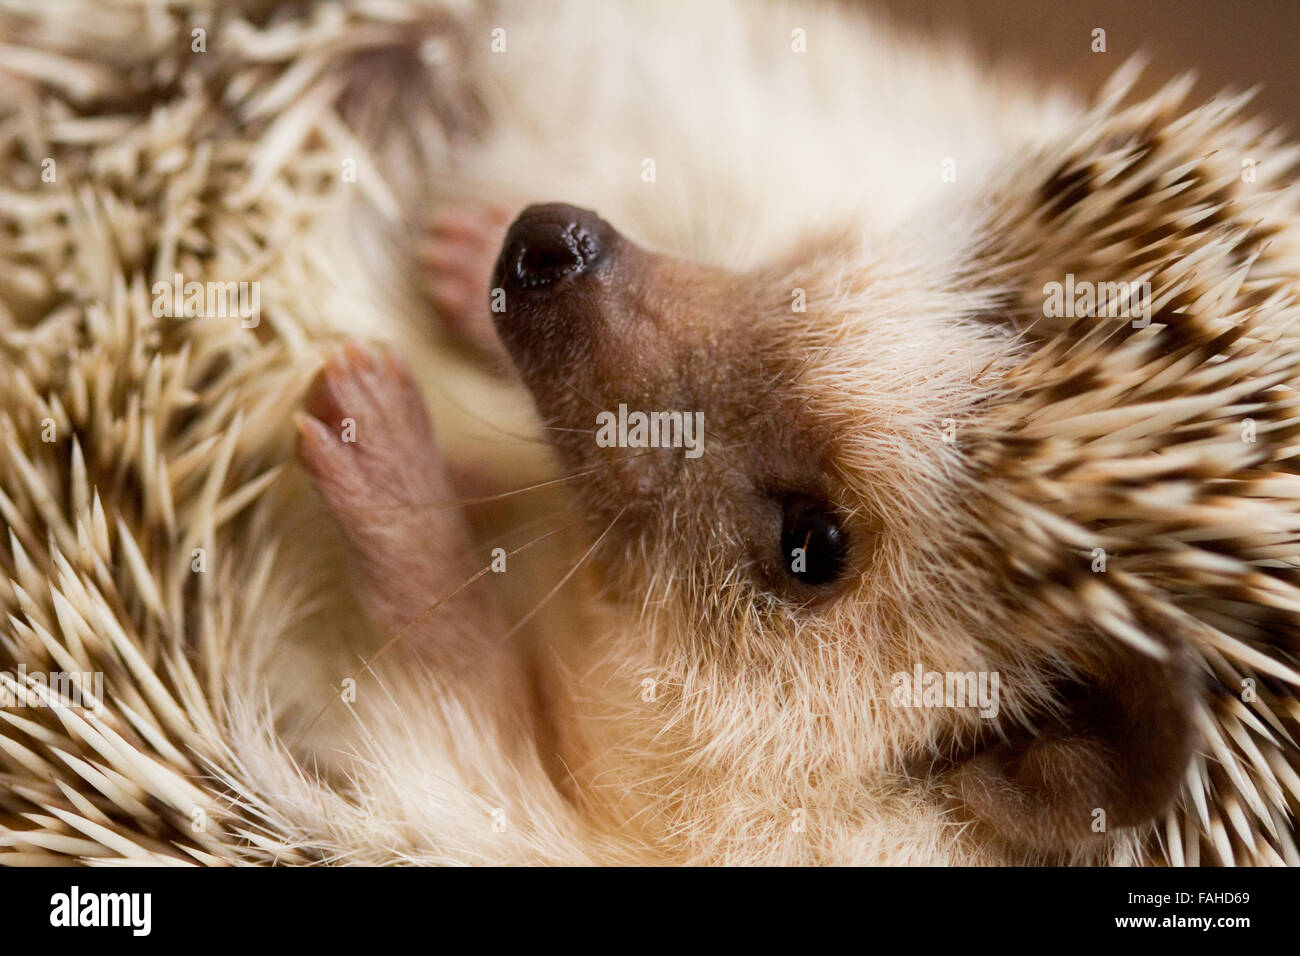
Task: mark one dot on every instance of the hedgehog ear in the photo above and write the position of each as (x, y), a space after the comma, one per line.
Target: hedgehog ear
(1113, 757)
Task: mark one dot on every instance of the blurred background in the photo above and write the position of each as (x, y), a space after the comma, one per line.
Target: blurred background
(1228, 44)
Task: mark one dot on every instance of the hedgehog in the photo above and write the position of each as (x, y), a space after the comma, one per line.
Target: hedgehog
(990, 382)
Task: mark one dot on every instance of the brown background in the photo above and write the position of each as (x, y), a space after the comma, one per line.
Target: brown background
(1229, 43)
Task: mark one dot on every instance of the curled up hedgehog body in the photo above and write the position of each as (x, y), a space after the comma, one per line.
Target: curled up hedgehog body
(329, 633)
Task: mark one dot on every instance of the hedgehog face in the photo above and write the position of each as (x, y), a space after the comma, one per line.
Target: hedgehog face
(769, 445)
(775, 458)
(666, 383)
(761, 453)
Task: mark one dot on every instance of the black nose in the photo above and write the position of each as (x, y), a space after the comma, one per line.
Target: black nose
(549, 243)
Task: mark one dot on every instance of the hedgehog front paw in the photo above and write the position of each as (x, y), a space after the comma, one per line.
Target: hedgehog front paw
(367, 444)
(366, 439)
(458, 255)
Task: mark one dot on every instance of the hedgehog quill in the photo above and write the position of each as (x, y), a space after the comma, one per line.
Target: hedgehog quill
(973, 381)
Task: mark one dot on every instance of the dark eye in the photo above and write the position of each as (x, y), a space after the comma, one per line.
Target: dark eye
(814, 545)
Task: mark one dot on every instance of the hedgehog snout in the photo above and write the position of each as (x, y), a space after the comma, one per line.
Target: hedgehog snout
(548, 245)
(547, 285)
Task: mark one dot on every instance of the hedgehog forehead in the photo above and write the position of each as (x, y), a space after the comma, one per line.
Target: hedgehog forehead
(855, 417)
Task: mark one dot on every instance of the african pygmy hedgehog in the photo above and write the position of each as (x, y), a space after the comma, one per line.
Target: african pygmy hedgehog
(924, 449)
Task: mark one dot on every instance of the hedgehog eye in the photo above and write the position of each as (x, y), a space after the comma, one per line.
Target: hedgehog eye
(814, 544)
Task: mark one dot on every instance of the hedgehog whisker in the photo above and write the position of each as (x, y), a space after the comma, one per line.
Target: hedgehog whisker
(455, 503)
(564, 580)
(406, 628)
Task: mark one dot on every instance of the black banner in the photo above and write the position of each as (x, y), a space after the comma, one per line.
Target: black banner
(242, 907)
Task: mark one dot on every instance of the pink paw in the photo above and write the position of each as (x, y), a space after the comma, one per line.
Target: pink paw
(366, 438)
(458, 254)
(366, 442)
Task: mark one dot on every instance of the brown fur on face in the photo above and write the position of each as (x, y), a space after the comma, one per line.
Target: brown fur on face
(625, 326)
(656, 333)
